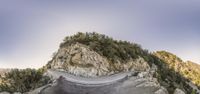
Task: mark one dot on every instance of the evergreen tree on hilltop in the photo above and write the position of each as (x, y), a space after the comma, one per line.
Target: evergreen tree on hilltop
(106, 46)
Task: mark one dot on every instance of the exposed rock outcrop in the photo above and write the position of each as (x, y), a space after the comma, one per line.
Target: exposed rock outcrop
(118, 67)
(4, 93)
(80, 60)
(178, 91)
(162, 90)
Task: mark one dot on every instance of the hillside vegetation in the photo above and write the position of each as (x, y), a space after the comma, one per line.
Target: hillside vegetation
(22, 80)
(112, 49)
(171, 73)
(3, 71)
(174, 72)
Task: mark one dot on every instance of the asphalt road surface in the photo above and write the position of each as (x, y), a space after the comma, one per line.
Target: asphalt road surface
(114, 84)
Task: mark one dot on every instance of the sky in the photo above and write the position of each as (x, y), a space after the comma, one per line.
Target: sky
(31, 30)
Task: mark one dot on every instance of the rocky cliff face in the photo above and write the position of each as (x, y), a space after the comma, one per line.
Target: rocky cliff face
(79, 59)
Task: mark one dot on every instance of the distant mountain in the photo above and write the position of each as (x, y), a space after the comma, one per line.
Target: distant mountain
(93, 55)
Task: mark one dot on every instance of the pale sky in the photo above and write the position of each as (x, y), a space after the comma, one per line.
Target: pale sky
(31, 30)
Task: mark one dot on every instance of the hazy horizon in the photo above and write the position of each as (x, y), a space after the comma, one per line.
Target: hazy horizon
(31, 31)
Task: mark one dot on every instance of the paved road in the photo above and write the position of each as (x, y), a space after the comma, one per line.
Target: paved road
(89, 81)
(115, 84)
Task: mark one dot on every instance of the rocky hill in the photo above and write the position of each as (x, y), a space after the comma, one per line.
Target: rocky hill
(80, 60)
(178, 73)
(90, 63)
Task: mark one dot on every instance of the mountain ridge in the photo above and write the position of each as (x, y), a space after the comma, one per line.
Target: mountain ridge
(95, 55)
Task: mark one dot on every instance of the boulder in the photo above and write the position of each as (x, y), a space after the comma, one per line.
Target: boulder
(162, 90)
(178, 91)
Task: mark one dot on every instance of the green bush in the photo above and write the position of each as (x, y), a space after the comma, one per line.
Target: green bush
(106, 46)
(23, 80)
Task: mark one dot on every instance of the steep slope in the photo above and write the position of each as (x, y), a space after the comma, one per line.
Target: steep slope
(174, 72)
(84, 57)
(92, 54)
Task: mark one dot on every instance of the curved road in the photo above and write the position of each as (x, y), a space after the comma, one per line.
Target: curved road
(121, 83)
(89, 81)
